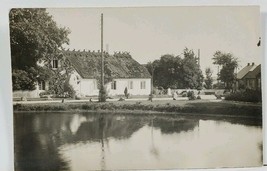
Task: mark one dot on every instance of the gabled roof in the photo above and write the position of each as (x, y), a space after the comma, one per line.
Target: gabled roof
(244, 71)
(119, 65)
(253, 73)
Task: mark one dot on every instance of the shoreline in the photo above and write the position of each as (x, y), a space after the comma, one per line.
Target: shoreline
(183, 108)
(143, 113)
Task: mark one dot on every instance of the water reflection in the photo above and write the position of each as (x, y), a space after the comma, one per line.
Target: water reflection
(99, 142)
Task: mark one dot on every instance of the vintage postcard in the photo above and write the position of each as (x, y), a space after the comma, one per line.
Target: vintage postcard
(135, 88)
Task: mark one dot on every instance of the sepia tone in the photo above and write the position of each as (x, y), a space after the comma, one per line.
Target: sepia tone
(136, 88)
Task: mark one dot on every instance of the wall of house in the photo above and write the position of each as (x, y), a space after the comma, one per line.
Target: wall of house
(121, 84)
(83, 87)
(88, 87)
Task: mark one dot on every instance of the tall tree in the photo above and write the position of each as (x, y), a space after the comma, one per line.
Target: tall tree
(176, 72)
(166, 71)
(228, 64)
(34, 36)
(208, 79)
(191, 72)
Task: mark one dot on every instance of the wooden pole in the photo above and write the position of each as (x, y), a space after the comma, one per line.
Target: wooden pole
(102, 55)
(199, 57)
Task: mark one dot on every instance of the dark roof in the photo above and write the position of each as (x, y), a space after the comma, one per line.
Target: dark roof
(244, 71)
(254, 73)
(119, 65)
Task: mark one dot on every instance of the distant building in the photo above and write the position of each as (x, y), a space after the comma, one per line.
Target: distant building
(249, 77)
(121, 71)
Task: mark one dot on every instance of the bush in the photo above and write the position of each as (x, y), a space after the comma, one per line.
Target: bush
(218, 96)
(69, 90)
(191, 95)
(245, 96)
(184, 94)
(45, 93)
(126, 93)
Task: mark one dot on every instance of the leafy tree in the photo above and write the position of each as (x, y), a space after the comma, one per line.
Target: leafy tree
(228, 63)
(165, 71)
(191, 73)
(22, 80)
(34, 37)
(176, 72)
(208, 80)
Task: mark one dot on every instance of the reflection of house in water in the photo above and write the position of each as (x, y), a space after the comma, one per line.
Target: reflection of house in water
(46, 134)
(112, 126)
(174, 126)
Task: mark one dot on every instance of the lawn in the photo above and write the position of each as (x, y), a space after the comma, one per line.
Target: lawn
(199, 107)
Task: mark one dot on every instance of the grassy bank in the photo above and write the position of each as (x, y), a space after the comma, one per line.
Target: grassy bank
(192, 107)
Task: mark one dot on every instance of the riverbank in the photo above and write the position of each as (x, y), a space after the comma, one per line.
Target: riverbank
(199, 107)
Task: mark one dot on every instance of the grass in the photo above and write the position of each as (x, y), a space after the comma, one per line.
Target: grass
(200, 107)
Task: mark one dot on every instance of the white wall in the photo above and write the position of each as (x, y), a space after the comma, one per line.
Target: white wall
(88, 87)
(83, 87)
(122, 83)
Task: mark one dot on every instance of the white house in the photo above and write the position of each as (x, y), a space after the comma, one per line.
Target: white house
(121, 71)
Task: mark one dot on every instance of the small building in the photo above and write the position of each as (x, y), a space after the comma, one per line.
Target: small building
(249, 77)
(121, 71)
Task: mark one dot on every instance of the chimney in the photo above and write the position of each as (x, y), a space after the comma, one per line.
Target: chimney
(252, 63)
(248, 64)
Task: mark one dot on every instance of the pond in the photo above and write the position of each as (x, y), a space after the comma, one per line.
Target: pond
(94, 141)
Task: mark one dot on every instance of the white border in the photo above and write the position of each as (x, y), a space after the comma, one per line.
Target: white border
(6, 113)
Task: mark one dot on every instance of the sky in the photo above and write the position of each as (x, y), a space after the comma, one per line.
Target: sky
(150, 32)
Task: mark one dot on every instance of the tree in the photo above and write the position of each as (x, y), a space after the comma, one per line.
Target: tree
(176, 72)
(228, 63)
(208, 80)
(165, 71)
(34, 37)
(191, 73)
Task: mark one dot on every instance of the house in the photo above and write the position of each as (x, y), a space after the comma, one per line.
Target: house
(121, 71)
(249, 77)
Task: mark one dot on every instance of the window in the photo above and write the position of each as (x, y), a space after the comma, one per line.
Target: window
(55, 63)
(143, 84)
(41, 85)
(130, 84)
(113, 85)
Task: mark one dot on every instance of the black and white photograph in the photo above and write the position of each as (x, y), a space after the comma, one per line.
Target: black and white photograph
(136, 88)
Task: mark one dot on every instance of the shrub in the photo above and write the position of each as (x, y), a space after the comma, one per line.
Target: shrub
(191, 95)
(126, 93)
(218, 96)
(184, 94)
(245, 96)
(69, 90)
(45, 93)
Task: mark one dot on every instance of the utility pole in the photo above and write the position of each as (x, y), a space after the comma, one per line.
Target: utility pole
(102, 91)
(102, 55)
(198, 57)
